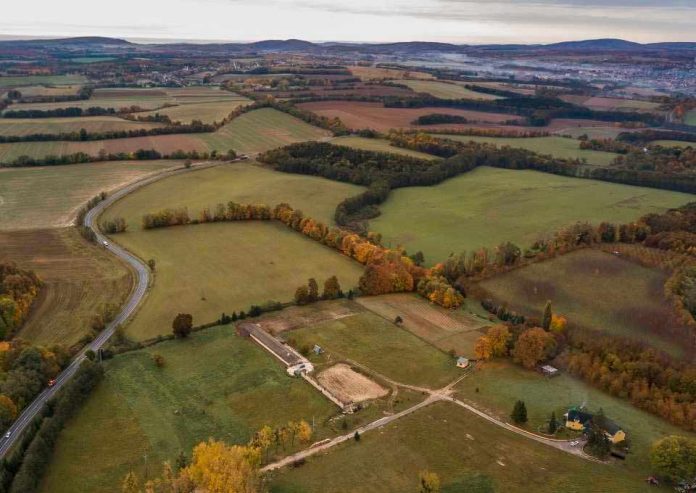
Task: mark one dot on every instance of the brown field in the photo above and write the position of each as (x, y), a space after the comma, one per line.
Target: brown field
(375, 73)
(368, 90)
(519, 89)
(80, 278)
(349, 386)
(445, 329)
(34, 91)
(295, 317)
(359, 115)
(604, 104)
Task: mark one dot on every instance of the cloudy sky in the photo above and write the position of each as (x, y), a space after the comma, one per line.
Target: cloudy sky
(458, 21)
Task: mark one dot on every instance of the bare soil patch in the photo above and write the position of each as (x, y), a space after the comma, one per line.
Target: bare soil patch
(295, 317)
(349, 386)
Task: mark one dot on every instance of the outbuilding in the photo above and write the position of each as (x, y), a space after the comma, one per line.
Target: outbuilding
(462, 362)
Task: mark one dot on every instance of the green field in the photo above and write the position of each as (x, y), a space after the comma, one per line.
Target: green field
(92, 124)
(29, 80)
(381, 346)
(378, 145)
(32, 91)
(43, 197)
(207, 112)
(559, 147)
(444, 90)
(501, 384)
(469, 454)
(488, 206)
(214, 384)
(240, 182)
(673, 143)
(212, 268)
(690, 118)
(597, 290)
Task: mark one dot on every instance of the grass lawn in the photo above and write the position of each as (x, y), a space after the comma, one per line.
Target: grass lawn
(444, 90)
(380, 345)
(79, 279)
(468, 453)
(208, 269)
(215, 384)
(240, 182)
(488, 206)
(597, 290)
(559, 147)
(49, 196)
(29, 80)
(500, 384)
(378, 145)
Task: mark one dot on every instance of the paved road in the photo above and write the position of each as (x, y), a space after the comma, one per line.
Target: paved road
(136, 296)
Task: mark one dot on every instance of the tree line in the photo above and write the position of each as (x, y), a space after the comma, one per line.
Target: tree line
(18, 289)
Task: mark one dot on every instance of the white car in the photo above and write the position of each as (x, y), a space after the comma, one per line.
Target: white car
(7, 435)
(574, 443)
(105, 243)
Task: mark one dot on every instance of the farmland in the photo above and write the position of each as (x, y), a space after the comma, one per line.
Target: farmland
(378, 73)
(80, 279)
(234, 266)
(631, 304)
(378, 145)
(215, 384)
(446, 90)
(92, 124)
(207, 112)
(45, 197)
(33, 91)
(559, 147)
(381, 346)
(488, 206)
(252, 132)
(611, 104)
(30, 80)
(240, 182)
(359, 115)
(690, 118)
(468, 453)
(673, 143)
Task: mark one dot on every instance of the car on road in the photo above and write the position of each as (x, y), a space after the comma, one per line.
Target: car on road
(105, 243)
(8, 435)
(52, 382)
(574, 443)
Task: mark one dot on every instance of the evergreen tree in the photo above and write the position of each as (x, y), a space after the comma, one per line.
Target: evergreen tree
(548, 314)
(519, 413)
(313, 289)
(553, 423)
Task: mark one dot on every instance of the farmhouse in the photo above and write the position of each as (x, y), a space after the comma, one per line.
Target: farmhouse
(579, 420)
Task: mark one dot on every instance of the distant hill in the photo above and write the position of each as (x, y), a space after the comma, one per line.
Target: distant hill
(594, 44)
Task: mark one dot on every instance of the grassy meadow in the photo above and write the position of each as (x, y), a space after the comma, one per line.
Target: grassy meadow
(380, 345)
(208, 269)
(239, 182)
(469, 455)
(214, 384)
(630, 302)
(95, 124)
(445, 90)
(378, 145)
(30, 80)
(488, 206)
(49, 196)
(559, 147)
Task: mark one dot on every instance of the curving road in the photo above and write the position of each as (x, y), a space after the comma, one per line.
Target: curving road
(136, 296)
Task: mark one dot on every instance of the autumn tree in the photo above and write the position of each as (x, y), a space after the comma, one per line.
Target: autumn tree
(519, 413)
(220, 468)
(558, 324)
(429, 482)
(313, 289)
(302, 295)
(674, 457)
(130, 483)
(182, 325)
(304, 431)
(8, 411)
(332, 289)
(499, 336)
(533, 346)
(483, 349)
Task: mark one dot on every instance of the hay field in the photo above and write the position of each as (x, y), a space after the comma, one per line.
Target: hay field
(80, 278)
(488, 206)
(32, 80)
(359, 115)
(240, 182)
(468, 453)
(49, 196)
(597, 290)
(214, 384)
(376, 73)
(92, 124)
(559, 147)
(445, 90)
(208, 269)
(378, 145)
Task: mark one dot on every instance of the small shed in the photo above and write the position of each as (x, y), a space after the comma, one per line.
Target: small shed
(317, 349)
(549, 371)
(462, 362)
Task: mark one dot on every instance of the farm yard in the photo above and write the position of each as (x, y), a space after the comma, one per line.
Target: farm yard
(240, 182)
(47, 197)
(215, 384)
(235, 265)
(631, 301)
(467, 452)
(488, 206)
(359, 115)
(80, 279)
(446, 90)
(559, 147)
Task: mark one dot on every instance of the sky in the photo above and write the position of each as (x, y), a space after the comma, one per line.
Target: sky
(455, 21)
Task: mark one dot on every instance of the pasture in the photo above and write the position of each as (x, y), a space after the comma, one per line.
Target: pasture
(208, 269)
(446, 90)
(468, 453)
(381, 346)
(92, 124)
(214, 384)
(596, 290)
(207, 112)
(488, 206)
(79, 280)
(239, 182)
(32, 80)
(378, 145)
(250, 133)
(500, 384)
(359, 115)
(49, 196)
(559, 147)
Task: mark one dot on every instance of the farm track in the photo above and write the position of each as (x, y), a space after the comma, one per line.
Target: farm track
(130, 306)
